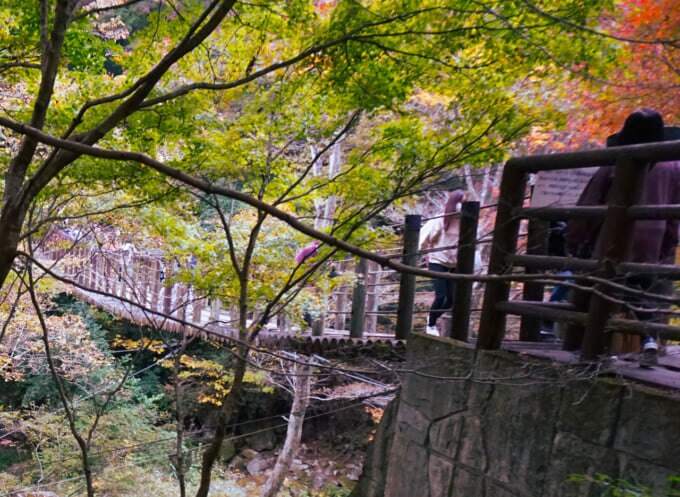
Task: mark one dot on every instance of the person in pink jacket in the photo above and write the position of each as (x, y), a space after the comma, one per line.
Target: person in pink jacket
(307, 252)
(439, 237)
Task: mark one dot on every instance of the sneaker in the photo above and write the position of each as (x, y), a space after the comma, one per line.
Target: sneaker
(649, 354)
(432, 330)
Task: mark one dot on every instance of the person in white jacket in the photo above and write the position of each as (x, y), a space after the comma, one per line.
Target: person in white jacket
(439, 238)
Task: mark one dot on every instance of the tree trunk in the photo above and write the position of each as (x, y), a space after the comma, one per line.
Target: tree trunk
(228, 411)
(294, 433)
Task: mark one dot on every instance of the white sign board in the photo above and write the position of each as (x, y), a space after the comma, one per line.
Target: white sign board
(560, 188)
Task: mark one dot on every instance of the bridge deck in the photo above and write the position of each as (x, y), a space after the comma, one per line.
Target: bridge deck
(665, 375)
(220, 329)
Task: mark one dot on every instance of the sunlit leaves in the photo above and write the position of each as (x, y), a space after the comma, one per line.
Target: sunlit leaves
(22, 351)
(211, 379)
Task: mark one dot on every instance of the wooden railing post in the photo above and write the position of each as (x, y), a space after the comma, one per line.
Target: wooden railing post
(341, 302)
(318, 325)
(146, 273)
(167, 289)
(282, 322)
(216, 311)
(196, 308)
(109, 284)
(181, 299)
(372, 297)
(356, 324)
(89, 270)
(101, 270)
(407, 282)
(506, 230)
(617, 237)
(467, 247)
(81, 269)
(537, 244)
(155, 285)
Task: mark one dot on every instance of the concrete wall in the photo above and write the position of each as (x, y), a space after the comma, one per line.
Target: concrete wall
(494, 424)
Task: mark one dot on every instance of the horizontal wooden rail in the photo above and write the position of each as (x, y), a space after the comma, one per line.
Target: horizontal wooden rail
(547, 304)
(562, 213)
(597, 212)
(547, 262)
(555, 263)
(541, 311)
(626, 326)
(654, 212)
(650, 152)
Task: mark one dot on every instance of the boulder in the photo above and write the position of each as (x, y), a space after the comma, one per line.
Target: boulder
(249, 453)
(262, 440)
(257, 465)
(227, 451)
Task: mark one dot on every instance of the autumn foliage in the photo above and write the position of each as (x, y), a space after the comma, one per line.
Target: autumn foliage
(646, 73)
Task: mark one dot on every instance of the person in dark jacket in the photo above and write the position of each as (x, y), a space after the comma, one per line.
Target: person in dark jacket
(654, 240)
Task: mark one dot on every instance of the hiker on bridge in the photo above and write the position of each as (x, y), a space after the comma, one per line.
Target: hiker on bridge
(654, 241)
(439, 236)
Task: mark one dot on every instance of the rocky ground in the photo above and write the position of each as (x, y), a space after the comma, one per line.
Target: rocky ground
(330, 455)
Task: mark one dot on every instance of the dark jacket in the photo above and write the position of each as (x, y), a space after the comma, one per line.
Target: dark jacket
(654, 241)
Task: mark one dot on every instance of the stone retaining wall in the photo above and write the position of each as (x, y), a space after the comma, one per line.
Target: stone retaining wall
(495, 424)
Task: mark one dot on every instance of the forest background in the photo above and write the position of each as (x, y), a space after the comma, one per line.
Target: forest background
(222, 136)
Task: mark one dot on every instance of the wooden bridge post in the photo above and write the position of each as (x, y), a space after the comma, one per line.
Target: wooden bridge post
(155, 285)
(146, 274)
(617, 235)
(93, 269)
(87, 260)
(407, 282)
(181, 296)
(356, 324)
(119, 282)
(81, 266)
(537, 244)
(467, 248)
(216, 309)
(197, 307)
(372, 297)
(341, 301)
(167, 289)
(107, 273)
(318, 325)
(89, 268)
(506, 230)
(282, 322)
(100, 275)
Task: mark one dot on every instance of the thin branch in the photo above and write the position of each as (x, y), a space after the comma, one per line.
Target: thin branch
(580, 27)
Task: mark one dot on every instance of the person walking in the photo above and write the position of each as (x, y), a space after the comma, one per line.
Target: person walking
(654, 240)
(439, 237)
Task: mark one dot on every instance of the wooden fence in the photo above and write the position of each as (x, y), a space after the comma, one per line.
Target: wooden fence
(381, 303)
(618, 217)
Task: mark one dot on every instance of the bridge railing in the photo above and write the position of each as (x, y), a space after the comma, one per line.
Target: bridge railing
(400, 303)
(618, 218)
(144, 279)
(379, 301)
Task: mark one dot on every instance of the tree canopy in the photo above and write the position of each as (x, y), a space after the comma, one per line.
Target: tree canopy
(228, 133)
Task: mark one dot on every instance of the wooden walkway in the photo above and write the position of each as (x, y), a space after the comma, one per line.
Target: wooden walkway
(147, 299)
(624, 366)
(218, 328)
(140, 289)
